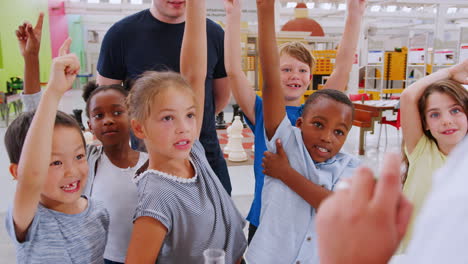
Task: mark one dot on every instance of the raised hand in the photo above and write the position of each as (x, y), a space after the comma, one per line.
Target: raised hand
(368, 217)
(356, 7)
(64, 69)
(232, 6)
(275, 164)
(459, 72)
(29, 37)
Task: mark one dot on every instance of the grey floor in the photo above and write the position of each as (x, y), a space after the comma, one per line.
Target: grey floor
(242, 177)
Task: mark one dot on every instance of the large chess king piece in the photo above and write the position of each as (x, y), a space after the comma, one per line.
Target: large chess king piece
(236, 150)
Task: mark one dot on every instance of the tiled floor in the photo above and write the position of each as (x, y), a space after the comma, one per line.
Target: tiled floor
(242, 177)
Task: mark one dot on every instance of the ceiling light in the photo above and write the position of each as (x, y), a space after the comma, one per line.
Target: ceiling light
(310, 5)
(452, 10)
(326, 6)
(391, 8)
(291, 5)
(406, 9)
(375, 8)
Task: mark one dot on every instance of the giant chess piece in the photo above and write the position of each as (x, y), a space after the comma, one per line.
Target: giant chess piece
(220, 123)
(77, 115)
(237, 111)
(236, 150)
(229, 143)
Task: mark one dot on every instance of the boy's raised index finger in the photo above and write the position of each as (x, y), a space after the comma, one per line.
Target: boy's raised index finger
(388, 187)
(40, 21)
(65, 48)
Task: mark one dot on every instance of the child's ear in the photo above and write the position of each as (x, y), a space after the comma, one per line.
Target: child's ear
(138, 129)
(90, 127)
(299, 122)
(14, 170)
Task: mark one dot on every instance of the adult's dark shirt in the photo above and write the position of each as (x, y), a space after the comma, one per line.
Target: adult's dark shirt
(140, 42)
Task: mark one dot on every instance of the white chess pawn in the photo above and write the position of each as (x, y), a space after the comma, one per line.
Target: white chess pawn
(236, 150)
(226, 148)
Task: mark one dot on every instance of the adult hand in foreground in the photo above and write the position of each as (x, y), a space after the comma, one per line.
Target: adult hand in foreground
(365, 219)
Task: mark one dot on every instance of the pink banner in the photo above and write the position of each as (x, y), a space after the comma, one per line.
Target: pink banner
(57, 24)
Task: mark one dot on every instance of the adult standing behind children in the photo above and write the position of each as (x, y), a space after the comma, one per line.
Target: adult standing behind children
(151, 40)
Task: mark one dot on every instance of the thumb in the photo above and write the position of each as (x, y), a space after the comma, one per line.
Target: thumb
(279, 148)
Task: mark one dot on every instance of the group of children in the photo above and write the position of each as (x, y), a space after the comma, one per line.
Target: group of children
(78, 203)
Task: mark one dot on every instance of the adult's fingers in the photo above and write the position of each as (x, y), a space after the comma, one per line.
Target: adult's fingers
(362, 188)
(40, 21)
(65, 48)
(404, 211)
(388, 188)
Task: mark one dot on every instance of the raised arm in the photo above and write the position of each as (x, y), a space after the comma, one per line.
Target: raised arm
(273, 99)
(410, 117)
(241, 88)
(347, 48)
(194, 52)
(33, 168)
(29, 40)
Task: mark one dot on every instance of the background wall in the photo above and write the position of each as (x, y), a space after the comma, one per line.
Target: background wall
(12, 13)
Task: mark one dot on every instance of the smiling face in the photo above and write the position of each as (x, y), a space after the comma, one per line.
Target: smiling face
(68, 169)
(170, 129)
(108, 117)
(325, 126)
(169, 11)
(445, 119)
(295, 78)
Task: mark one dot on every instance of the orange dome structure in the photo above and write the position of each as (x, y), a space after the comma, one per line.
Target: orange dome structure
(303, 23)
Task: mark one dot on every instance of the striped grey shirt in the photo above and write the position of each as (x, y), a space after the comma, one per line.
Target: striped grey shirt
(55, 237)
(197, 212)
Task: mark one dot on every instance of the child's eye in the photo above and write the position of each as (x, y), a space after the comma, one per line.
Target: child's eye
(434, 115)
(168, 118)
(117, 113)
(286, 70)
(317, 124)
(98, 116)
(455, 111)
(80, 156)
(56, 163)
(191, 115)
(304, 71)
(339, 132)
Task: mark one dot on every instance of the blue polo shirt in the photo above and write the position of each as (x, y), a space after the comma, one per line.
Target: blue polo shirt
(293, 112)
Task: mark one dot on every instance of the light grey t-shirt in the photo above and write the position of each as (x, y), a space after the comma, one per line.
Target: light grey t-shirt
(55, 237)
(197, 212)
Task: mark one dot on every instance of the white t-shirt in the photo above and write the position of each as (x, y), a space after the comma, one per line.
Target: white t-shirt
(115, 188)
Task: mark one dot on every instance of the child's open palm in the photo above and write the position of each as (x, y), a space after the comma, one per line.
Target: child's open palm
(29, 38)
(459, 72)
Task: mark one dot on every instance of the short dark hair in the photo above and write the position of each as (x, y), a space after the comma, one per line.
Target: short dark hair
(330, 94)
(16, 132)
(92, 88)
